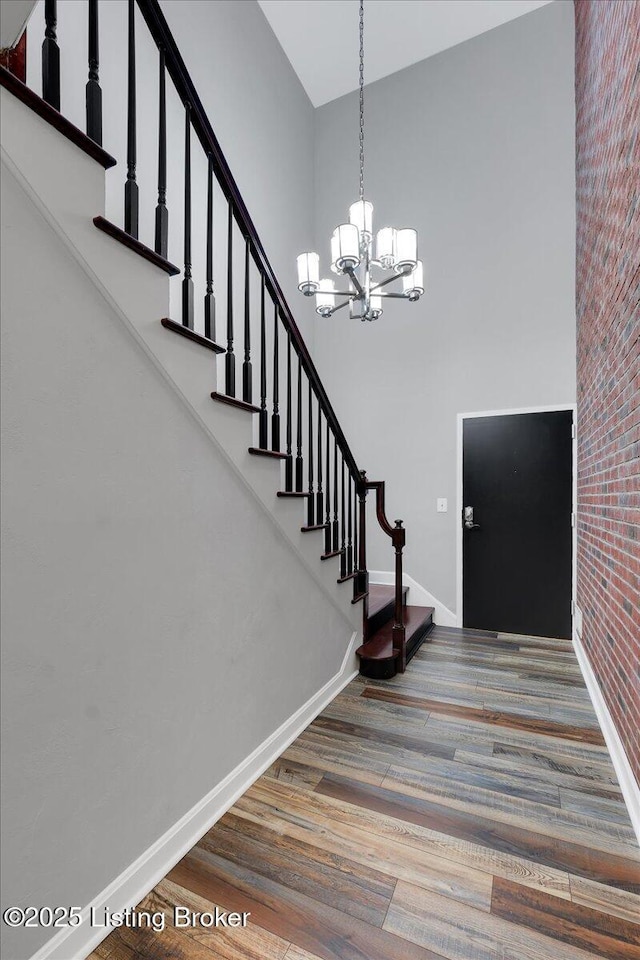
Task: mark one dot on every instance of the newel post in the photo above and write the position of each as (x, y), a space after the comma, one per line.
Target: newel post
(398, 631)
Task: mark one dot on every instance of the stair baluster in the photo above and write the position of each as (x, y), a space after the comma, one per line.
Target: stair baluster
(335, 526)
(319, 494)
(247, 385)
(209, 297)
(349, 554)
(162, 214)
(275, 419)
(51, 56)
(187, 283)
(230, 360)
(355, 528)
(343, 525)
(263, 420)
(311, 507)
(288, 466)
(131, 199)
(299, 463)
(362, 578)
(327, 532)
(93, 94)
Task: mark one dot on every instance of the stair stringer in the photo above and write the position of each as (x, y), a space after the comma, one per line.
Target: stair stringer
(69, 190)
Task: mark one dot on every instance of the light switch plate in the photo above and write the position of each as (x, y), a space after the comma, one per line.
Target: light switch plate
(442, 505)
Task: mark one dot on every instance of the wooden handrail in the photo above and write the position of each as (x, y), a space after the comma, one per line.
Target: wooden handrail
(397, 531)
(187, 92)
(398, 539)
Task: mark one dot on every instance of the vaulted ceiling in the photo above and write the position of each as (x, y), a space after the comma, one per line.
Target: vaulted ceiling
(320, 37)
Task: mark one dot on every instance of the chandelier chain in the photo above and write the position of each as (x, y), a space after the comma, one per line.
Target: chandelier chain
(352, 245)
(362, 99)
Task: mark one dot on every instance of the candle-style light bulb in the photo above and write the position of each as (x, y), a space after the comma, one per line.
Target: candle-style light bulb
(308, 272)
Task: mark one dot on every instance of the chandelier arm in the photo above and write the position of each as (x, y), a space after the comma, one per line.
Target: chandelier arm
(337, 293)
(355, 282)
(340, 306)
(383, 283)
(390, 293)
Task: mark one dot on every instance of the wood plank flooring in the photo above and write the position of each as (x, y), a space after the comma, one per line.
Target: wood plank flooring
(465, 810)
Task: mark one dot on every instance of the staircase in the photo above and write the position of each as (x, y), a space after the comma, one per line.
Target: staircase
(380, 658)
(294, 426)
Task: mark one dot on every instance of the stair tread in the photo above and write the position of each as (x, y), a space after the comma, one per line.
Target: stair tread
(333, 553)
(291, 493)
(316, 526)
(380, 645)
(116, 233)
(191, 335)
(233, 402)
(380, 594)
(274, 454)
(55, 118)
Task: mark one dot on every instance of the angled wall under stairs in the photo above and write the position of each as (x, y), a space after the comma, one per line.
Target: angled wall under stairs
(160, 619)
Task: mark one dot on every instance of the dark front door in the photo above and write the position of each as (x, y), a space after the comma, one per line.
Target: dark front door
(517, 538)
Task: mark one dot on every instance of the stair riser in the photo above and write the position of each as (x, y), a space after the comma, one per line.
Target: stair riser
(378, 669)
(384, 615)
(383, 668)
(418, 639)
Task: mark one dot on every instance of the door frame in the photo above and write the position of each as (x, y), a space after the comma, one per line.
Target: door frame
(550, 408)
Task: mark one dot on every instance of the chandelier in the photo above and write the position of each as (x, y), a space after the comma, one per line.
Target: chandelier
(396, 253)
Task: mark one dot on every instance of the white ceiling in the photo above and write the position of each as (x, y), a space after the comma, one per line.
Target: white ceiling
(13, 16)
(320, 37)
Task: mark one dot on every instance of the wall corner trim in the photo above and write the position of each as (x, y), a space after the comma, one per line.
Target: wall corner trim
(628, 783)
(141, 876)
(418, 595)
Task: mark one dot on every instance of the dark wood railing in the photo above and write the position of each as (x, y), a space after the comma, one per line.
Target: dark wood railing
(398, 539)
(334, 487)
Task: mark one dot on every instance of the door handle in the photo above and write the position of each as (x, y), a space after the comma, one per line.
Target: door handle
(467, 518)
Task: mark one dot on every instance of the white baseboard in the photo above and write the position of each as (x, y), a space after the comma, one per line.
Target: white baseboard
(626, 779)
(76, 943)
(418, 595)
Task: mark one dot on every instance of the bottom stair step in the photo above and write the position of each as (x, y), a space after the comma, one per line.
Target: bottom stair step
(382, 605)
(378, 656)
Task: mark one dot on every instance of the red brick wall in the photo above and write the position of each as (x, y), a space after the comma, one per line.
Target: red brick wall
(608, 351)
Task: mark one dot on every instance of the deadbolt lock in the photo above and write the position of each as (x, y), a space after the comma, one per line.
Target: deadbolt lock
(467, 517)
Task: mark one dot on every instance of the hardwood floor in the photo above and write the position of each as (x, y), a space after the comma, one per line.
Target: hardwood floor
(465, 810)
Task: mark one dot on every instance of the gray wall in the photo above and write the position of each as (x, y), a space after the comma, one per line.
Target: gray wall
(13, 15)
(262, 117)
(475, 148)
